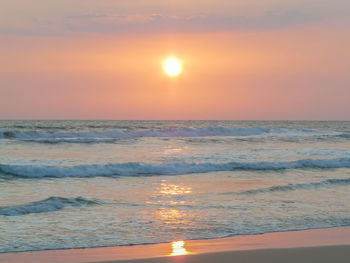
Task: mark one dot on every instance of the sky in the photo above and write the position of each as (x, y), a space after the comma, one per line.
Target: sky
(241, 60)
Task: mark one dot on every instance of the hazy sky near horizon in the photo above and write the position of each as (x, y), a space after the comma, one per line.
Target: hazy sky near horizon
(243, 59)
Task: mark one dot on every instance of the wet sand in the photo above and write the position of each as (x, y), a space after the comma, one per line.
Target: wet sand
(327, 254)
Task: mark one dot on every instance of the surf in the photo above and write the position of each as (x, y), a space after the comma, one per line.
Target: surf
(165, 168)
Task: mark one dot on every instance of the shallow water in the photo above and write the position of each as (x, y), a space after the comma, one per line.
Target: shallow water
(72, 184)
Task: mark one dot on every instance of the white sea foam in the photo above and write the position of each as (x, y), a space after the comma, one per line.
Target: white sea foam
(50, 204)
(166, 168)
(114, 135)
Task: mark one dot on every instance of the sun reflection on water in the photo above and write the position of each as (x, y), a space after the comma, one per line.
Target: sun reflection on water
(173, 189)
(178, 248)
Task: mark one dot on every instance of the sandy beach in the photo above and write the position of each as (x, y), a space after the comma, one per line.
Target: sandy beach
(325, 254)
(318, 245)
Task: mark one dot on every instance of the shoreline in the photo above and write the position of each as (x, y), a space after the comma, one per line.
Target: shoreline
(332, 239)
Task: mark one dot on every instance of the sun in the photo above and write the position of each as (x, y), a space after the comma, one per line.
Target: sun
(172, 67)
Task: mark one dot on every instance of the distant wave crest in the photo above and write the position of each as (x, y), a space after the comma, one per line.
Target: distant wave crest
(344, 135)
(111, 136)
(166, 168)
(292, 187)
(50, 204)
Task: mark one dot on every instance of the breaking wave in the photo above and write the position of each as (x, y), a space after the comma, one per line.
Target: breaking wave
(166, 168)
(50, 204)
(292, 187)
(110, 136)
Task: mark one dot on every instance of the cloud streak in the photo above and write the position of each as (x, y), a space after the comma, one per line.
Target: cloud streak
(158, 23)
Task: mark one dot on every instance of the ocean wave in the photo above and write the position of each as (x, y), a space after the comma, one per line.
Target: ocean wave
(50, 204)
(292, 187)
(114, 135)
(344, 135)
(166, 168)
(68, 137)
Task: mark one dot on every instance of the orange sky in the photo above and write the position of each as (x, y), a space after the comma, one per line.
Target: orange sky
(259, 63)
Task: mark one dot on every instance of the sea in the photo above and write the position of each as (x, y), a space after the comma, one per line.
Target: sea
(84, 184)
